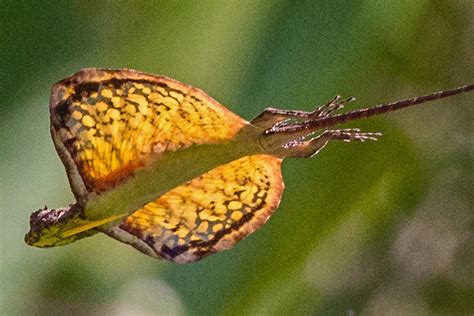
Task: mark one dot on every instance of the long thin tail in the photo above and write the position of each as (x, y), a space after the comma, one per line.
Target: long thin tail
(314, 125)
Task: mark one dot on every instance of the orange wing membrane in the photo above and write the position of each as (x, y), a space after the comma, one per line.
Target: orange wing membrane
(208, 214)
(108, 123)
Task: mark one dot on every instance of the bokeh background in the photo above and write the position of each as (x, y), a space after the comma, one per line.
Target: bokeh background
(373, 228)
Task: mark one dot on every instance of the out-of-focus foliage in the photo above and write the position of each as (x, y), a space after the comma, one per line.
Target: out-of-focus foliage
(376, 228)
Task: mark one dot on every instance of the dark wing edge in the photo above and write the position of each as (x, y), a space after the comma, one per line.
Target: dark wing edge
(76, 182)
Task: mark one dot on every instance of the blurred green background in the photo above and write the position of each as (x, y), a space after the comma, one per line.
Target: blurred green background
(373, 228)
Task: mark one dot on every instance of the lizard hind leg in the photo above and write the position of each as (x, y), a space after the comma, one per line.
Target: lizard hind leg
(274, 118)
(311, 147)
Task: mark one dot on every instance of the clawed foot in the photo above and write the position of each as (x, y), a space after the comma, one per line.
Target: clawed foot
(331, 106)
(352, 134)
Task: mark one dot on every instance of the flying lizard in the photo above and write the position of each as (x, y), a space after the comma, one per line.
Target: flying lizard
(162, 166)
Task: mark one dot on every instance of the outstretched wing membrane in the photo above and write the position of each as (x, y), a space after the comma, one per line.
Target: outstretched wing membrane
(107, 123)
(208, 214)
